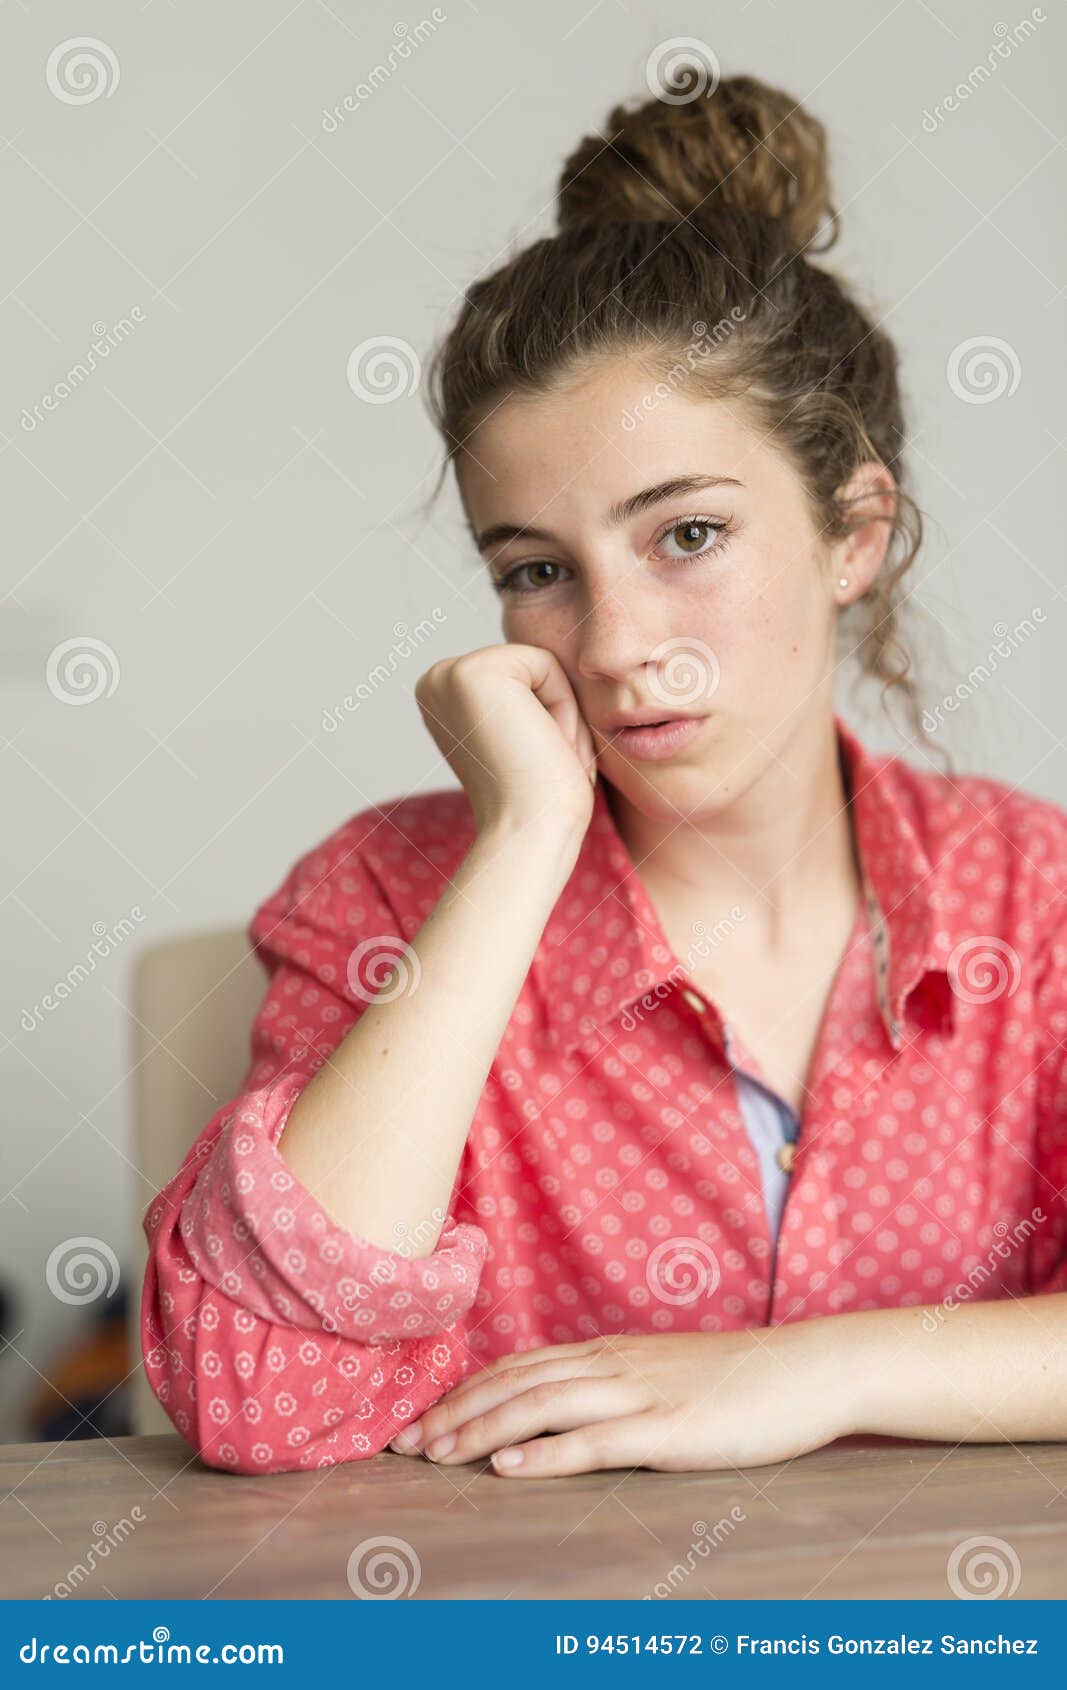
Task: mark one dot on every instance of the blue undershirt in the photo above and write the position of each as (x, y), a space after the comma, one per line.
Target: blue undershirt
(770, 1123)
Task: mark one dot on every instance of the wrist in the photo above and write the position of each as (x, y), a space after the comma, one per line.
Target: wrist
(871, 1372)
(830, 1354)
(558, 837)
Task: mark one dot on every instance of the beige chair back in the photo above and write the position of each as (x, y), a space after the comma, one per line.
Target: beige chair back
(194, 1001)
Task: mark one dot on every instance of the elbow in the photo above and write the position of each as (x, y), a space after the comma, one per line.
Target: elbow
(251, 1391)
(253, 1396)
(301, 1433)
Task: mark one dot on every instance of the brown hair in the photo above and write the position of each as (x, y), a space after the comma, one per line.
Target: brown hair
(693, 210)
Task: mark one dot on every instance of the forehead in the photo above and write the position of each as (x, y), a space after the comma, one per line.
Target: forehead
(601, 435)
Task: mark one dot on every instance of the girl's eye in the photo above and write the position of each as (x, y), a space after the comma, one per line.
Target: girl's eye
(692, 534)
(507, 583)
(698, 536)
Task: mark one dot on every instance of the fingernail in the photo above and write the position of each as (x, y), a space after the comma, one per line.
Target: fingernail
(507, 1458)
(441, 1446)
(409, 1438)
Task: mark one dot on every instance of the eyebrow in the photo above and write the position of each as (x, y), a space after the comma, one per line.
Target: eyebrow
(501, 532)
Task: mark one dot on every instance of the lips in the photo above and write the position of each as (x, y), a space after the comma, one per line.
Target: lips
(618, 723)
(649, 741)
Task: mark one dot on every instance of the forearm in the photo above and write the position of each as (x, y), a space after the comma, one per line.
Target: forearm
(378, 1132)
(975, 1373)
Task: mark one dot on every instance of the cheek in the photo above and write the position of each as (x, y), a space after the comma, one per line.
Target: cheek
(550, 620)
(739, 624)
(526, 623)
(771, 642)
(789, 614)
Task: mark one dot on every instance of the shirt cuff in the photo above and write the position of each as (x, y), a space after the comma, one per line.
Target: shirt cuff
(256, 1233)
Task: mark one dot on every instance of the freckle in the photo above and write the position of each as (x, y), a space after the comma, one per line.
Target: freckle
(796, 648)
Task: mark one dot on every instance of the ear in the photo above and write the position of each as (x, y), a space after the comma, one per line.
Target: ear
(868, 501)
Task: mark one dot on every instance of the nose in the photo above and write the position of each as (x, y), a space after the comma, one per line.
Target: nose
(616, 631)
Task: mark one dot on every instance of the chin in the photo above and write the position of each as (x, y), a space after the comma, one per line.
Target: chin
(670, 789)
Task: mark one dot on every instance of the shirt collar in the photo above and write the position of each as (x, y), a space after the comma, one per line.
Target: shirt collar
(604, 950)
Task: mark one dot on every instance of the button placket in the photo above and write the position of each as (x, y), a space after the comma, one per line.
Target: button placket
(785, 1155)
(706, 1016)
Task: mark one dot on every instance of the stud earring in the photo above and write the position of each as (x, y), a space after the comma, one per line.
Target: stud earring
(843, 582)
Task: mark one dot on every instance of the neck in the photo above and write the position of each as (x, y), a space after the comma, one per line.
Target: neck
(783, 849)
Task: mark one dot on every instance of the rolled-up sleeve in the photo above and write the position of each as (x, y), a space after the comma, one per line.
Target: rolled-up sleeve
(1048, 1247)
(273, 1337)
(257, 1234)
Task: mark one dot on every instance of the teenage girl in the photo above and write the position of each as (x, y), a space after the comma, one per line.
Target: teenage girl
(685, 1088)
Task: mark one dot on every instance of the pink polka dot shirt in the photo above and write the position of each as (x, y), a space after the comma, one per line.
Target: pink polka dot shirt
(609, 1183)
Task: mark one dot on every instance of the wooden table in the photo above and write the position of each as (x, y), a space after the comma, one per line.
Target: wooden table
(866, 1517)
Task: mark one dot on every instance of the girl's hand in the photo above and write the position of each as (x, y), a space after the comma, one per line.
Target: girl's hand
(673, 1401)
(506, 719)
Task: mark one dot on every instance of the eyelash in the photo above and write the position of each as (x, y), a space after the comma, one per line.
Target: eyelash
(722, 529)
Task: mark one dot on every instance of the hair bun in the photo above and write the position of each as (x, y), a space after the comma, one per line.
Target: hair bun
(743, 146)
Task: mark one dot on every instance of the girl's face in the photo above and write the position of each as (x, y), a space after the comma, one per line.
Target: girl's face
(667, 556)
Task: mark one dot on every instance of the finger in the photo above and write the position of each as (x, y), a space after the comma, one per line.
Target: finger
(411, 1440)
(564, 712)
(552, 1407)
(547, 679)
(524, 1358)
(620, 1442)
(458, 1408)
(549, 682)
(586, 749)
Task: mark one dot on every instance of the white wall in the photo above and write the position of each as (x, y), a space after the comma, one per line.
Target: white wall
(217, 506)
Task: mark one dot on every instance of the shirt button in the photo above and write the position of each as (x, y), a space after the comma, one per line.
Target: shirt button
(785, 1157)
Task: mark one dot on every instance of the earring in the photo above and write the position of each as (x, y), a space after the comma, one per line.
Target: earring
(843, 582)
